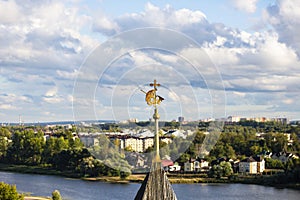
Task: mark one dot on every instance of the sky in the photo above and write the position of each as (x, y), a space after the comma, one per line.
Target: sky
(79, 60)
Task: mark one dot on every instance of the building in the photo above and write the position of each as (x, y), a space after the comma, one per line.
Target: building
(282, 120)
(196, 165)
(166, 164)
(233, 119)
(180, 119)
(89, 141)
(165, 139)
(189, 166)
(148, 142)
(175, 168)
(260, 164)
(133, 143)
(248, 165)
(284, 157)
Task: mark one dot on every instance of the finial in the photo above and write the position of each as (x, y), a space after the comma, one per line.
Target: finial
(151, 97)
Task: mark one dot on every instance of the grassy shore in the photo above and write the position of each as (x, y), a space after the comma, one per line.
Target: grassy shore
(25, 169)
(194, 178)
(29, 169)
(36, 198)
(138, 178)
(177, 179)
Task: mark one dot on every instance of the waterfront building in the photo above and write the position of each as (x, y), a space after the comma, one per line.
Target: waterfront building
(189, 166)
(175, 168)
(248, 165)
(195, 165)
(260, 164)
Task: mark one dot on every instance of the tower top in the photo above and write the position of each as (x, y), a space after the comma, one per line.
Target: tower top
(154, 84)
(151, 97)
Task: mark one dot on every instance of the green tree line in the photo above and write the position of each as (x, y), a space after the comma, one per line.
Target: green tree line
(61, 152)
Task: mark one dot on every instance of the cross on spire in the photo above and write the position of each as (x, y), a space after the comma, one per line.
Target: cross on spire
(154, 84)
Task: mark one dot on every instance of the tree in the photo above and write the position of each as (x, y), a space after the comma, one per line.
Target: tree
(61, 144)
(27, 147)
(274, 164)
(56, 195)
(221, 150)
(255, 150)
(16, 150)
(49, 150)
(280, 143)
(227, 169)
(9, 192)
(3, 147)
(75, 143)
(4, 132)
(183, 158)
(223, 169)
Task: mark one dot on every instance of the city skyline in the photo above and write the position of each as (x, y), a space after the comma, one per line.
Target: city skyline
(253, 45)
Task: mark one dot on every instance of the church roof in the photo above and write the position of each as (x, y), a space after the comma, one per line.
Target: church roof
(156, 185)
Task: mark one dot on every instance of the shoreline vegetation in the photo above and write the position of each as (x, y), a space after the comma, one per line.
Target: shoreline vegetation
(265, 180)
(58, 150)
(194, 179)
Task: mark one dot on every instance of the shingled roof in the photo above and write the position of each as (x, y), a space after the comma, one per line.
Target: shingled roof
(249, 159)
(156, 185)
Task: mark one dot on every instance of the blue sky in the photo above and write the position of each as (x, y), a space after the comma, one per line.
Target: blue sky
(45, 46)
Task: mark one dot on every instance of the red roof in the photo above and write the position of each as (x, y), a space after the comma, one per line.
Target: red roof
(166, 163)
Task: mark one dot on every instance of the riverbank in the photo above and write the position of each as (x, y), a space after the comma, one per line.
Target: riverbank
(195, 178)
(25, 169)
(75, 189)
(174, 179)
(138, 178)
(36, 198)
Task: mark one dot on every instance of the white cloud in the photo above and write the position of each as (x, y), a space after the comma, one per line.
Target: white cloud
(9, 12)
(13, 98)
(173, 96)
(239, 94)
(52, 96)
(288, 101)
(284, 16)
(53, 100)
(247, 6)
(47, 33)
(7, 107)
(153, 16)
(52, 92)
(104, 24)
(271, 55)
(67, 75)
(43, 44)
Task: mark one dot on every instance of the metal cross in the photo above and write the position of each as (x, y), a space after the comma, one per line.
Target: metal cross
(155, 84)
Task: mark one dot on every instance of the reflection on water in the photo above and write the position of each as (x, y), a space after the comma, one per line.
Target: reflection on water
(73, 189)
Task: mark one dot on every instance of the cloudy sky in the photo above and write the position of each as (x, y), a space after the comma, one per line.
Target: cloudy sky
(55, 64)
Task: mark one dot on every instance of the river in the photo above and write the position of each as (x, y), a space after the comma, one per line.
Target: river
(74, 189)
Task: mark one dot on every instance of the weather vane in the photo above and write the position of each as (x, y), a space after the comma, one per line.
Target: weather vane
(153, 99)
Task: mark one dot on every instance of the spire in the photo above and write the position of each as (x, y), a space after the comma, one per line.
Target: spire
(156, 185)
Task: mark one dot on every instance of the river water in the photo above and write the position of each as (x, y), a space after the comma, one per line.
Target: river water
(73, 189)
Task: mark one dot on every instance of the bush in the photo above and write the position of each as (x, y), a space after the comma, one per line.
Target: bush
(9, 192)
(124, 175)
(56, 195)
